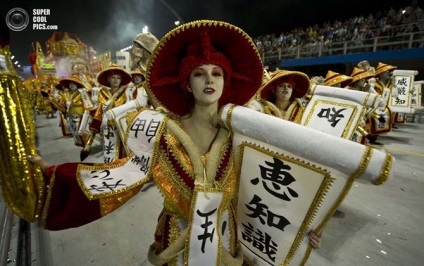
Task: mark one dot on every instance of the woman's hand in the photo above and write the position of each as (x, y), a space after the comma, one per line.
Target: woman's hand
(38, 160)
(314, 240)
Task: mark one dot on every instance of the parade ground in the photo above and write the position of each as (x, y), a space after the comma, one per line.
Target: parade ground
(382, 225)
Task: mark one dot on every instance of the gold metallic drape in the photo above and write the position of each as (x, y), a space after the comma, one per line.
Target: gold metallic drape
(21, 182)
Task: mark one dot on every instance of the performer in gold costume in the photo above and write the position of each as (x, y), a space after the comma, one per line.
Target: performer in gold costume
(74, 101)
(384, 85)
(115, 81)
(280, 95)
(203, 65)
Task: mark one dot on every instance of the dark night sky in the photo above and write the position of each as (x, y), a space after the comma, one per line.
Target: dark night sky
(112, 24)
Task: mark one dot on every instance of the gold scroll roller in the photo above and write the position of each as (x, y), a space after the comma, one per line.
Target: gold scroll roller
(21, 182)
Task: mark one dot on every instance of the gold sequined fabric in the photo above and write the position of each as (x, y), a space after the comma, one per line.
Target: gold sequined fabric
(22, 183)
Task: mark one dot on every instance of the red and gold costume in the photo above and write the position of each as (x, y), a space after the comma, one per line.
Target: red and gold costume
(113, 148)
(176, 167)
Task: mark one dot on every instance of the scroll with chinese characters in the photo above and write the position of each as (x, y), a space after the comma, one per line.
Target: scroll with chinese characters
(110, 179)
(292, 179)
(338, 111)
(403, 84)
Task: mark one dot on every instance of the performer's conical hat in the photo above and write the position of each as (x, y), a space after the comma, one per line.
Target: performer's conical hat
(333, 78)
(66, 81)
(197, 43)
(298, 80)
(359, 74)
(381, 67)
(104, 75)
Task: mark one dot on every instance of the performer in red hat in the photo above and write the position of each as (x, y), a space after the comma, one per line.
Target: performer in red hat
(281, 94)
(196, 69)
(114, 79)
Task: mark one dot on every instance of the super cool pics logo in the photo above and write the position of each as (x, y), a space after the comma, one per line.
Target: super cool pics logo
(17, 19)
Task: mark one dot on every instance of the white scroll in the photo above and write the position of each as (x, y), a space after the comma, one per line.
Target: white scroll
(205, 228)
(130, 171)
(338, 111)
(95, 96)
(86, 99)
(403, 84)
(313, 169)
(119, 115)
(416, 95)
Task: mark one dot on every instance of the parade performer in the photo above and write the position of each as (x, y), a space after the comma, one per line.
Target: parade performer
(190, 138)
(334, 79)
(280, 95)
(75, 101)
(378, 121)
(384, 86)
(186, 145)
(80, 71)
(143, 46)
(115, 81)
(136, 89)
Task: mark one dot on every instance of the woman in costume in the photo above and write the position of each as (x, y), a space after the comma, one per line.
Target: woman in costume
(115, 81)
(203, 65)
(72, 104)
(280, 95)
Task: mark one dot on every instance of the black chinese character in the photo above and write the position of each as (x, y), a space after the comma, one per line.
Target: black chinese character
(101, 175)
(207, 223)
(143, 161)
(399, 101)
(262, 242)
(137, 126)
(109, 147)
(273, 220)
(152, 128)
(332, 117)
(106, 186)
(278, 178)
(401, 82)
(401, 91)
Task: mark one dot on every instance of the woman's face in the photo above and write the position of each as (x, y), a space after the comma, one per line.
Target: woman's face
(73, 86)
(207, 84)
(115, 81)
(283, 91)
(138, 79)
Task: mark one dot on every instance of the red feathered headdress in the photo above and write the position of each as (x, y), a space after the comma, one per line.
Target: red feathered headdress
(197, 43)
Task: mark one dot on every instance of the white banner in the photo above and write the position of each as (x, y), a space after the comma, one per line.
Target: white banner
(126, 173)
(338, 111)
(277, 199)
(416, 101)
(295, 146)
(403, 84)
(204, 228)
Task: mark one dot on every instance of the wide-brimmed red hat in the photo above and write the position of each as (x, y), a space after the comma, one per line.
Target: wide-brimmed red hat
(381, 67)
(298, 80)
(333, 78)
(104, 75)
(66, 81)
(197, 43)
